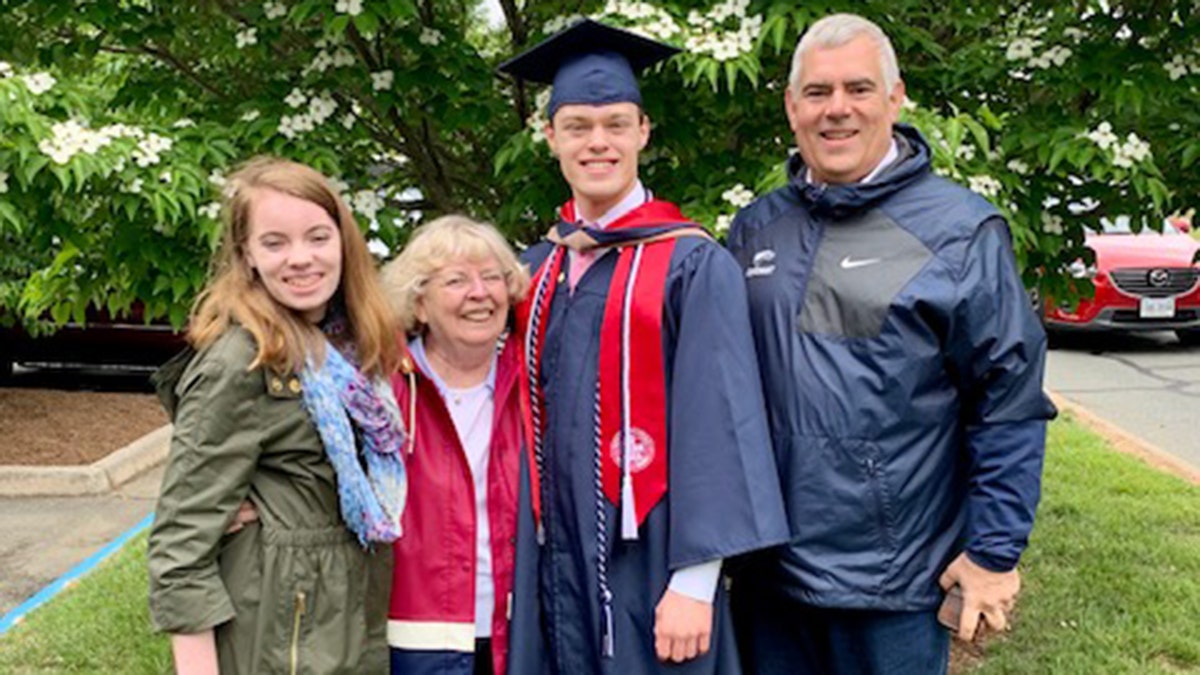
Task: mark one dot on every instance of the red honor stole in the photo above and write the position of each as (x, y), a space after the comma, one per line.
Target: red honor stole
(632, 377)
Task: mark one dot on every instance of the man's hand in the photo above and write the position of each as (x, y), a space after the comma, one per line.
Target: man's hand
(245, 515)
(682, 627)
(992, 594)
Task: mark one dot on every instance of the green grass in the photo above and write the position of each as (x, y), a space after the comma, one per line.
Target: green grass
(1112, 583)
(99, 625)
(1112, 574)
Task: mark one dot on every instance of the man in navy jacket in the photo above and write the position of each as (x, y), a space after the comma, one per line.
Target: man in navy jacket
(902, 366)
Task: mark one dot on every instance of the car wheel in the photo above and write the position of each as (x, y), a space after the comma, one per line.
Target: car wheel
(1189, 336)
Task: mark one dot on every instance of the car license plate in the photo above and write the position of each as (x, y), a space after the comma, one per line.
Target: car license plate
(1157, 308)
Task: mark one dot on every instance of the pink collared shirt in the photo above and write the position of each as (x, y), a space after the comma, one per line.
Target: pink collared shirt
(579, 262)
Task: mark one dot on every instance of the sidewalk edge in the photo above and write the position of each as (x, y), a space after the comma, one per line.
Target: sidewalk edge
(1125, 442)
(99, 477)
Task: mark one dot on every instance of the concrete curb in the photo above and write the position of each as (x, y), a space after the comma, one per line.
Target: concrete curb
(99, 477)
(1125, 442)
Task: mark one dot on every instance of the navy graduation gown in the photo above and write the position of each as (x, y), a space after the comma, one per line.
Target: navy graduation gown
(723, 494)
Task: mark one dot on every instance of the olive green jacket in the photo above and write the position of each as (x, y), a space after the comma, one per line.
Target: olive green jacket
(293, 593)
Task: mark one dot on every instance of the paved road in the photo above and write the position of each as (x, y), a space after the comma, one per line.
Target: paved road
(42, 538)
(1148, 384)
(45, 537)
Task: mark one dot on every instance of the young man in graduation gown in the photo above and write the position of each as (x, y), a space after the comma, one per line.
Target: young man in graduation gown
(651, 438)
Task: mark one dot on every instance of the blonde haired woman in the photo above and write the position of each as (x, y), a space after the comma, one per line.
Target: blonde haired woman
(463, 592)
(284, 403)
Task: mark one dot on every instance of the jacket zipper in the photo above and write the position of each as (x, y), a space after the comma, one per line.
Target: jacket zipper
(299, 615)
(880, 504)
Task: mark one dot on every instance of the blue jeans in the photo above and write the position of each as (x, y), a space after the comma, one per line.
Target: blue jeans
(779, 635)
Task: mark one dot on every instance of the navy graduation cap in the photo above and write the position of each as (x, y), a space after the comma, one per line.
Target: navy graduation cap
(589, 63)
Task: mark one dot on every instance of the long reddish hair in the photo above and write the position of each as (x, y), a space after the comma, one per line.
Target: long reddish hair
(235, 294)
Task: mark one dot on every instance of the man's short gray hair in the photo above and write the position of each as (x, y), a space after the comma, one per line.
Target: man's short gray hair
(836, 30)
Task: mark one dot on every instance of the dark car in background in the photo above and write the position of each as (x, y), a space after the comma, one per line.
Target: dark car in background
(126, 340)
(1143, 281)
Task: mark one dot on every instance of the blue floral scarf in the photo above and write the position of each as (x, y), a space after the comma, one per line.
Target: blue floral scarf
(360, 425)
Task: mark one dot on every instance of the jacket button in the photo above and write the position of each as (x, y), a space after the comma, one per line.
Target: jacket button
(276, 384)
(294, 385)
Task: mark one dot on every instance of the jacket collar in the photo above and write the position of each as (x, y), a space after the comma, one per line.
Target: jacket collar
(839, 201)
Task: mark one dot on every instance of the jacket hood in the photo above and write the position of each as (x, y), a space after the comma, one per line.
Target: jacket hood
(166, 378)
(842, 200)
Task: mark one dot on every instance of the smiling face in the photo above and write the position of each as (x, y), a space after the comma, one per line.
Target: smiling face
(597, 148)
(464, 305)
(841, 111)
(296, 248)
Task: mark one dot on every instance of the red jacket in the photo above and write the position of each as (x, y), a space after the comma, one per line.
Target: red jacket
(432, 614)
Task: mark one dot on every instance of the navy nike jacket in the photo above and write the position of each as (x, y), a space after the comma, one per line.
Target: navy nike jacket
(902, 365)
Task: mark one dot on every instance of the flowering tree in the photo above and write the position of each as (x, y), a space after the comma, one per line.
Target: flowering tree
(121, 118)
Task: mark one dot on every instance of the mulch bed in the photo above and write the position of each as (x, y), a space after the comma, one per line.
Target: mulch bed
(49, 427)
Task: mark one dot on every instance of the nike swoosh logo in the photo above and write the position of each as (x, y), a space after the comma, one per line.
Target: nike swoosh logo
(848, 264)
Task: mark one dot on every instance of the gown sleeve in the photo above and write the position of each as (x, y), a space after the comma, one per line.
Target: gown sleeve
(724, 489)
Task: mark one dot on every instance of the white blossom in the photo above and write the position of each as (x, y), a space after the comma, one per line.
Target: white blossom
(320, 108)
(378, 248)
(183, 123)
(1074, 34)
(1103, 136)
(134, 187)
(72, 137)
(247, 37)
(965, 152)
(348, 121)
(296, 98)
(165, 176)
(984, 185)
(382, 80)
(538, 118)
(39, 83)
(274, 10)
(1021, 49)
(430, 36)
(1017, 166)
(1181, 65)
(339, 186)
(367, 203)
(558, 23)
(320, 63)
(292, 126)
(351, 7)
(723, 223)
(250, 115)
(1132, 151)
(6, 70)
(738, 195)
(150, 148)
(3, 182)
(342, 58)
(210, 210)
(1055, 56)
(1052, 224)
(217, 178)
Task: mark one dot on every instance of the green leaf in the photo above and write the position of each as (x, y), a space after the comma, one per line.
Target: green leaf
(712, 70)
(731, 73)
(1189, 155)
(60, 313)
(1057, 154)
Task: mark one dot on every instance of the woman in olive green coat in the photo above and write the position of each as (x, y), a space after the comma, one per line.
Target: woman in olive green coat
(283, 403)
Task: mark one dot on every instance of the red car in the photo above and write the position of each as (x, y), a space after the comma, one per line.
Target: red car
(1144, 281)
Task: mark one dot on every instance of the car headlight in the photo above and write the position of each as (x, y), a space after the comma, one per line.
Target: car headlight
(1079, 270)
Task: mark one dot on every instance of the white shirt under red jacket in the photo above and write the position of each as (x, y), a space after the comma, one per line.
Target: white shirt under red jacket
(432, 622)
